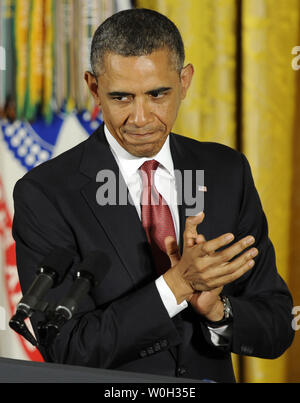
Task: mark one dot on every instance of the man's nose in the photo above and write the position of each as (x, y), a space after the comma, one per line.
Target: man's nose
(140, 114)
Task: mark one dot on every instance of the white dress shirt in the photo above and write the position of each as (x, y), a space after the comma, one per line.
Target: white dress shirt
(164, 180)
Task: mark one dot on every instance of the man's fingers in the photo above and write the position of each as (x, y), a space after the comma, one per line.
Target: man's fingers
(210, 247)
(229, 278)
(228, 268)
(172, 250)
(190, 232)
(229, 253)
(200, 239)
(200, 285)
(226, 272)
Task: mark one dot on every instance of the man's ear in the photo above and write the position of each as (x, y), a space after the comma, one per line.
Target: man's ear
(186, 79)
(92, 83)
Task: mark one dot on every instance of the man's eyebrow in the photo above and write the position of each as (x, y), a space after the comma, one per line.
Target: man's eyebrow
(126, 94)
(119, 94)
(159, 90)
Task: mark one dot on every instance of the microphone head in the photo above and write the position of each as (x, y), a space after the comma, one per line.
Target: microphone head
(59, 261)
(96, 265)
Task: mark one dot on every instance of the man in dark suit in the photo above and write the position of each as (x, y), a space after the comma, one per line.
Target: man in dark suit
(181, 293)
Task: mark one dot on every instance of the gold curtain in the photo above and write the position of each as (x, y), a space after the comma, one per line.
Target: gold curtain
(254, 109)
(269, 91)
(208, 30)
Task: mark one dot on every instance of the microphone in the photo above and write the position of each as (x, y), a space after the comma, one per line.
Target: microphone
(50, 274)
(84, 280)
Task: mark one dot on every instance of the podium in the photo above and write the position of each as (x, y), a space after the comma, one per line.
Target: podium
(18, 371)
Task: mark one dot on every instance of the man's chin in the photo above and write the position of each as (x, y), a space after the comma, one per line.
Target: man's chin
(144, 146)
(143, 151)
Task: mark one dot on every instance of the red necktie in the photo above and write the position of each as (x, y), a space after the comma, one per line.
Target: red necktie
(156, 217)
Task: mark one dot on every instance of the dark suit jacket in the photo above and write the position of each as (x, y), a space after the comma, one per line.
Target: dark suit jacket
(123, 323)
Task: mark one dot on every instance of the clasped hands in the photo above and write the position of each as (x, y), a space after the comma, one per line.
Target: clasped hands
(199, 275)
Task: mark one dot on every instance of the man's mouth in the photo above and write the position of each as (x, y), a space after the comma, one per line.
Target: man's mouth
(140, 136)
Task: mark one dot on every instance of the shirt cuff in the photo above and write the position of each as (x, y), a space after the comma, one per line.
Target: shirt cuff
(168, 298)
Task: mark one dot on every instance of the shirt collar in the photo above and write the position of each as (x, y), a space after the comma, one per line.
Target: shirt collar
(131, 163)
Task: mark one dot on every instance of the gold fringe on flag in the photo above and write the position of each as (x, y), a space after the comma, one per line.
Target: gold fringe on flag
(48, 84)
(33, 97)
(59, 57)
(69, 51)
(88, 17)
(22, 11)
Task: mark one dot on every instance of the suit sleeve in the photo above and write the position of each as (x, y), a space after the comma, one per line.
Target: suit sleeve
(261, 301)
(107, 336)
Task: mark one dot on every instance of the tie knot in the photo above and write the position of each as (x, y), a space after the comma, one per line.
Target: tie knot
(149, 166)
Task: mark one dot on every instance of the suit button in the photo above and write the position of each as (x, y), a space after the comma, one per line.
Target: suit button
(181, 371)
(157, 347)
(164, 343)
(143, 354)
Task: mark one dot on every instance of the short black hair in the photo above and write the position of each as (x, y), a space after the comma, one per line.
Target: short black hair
(136, 32)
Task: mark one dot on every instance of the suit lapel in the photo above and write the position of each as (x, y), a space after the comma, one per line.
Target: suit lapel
(120, 223)
(186, 163)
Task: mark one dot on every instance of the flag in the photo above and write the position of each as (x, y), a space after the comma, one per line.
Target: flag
(24, 146)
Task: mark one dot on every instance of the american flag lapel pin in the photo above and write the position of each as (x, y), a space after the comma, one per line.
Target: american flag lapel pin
(202, 188)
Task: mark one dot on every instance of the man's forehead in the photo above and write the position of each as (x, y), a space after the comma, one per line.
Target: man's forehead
(158, 60)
